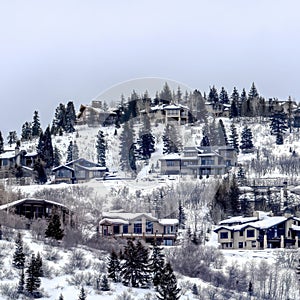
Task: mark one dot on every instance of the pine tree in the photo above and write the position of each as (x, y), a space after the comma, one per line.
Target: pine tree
(40, 174)
(59, 121)
(146, 140)
(1, 143)
(104, 284)
(167, 289)
(101, 149)
(21, 282)
(223, 96)
(213, 95)
(195, 290)
(70, 117)
(12, 138)
(19, 256)
(233, 138)
(82, 294)
(36, 125)
(54, 229)
(243, 103)
(157, 261)
(246, 139)
(222, 136)
(61, 297)
(113, 267)
(56, 157)
(253, 93)
(75, 152)
(205, 141)
(33, 282)
(181, 216)
(166, 93)
(39, 265)
(127, 148)
(134, 270)
(26, 132)
(234, 194)
(45, 148)
(278, 126)
(171, 139)
(70, 152)
(201, 111)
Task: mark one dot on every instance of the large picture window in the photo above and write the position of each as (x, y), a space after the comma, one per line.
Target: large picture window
(250, 233)
(137, 226)
(224, 235)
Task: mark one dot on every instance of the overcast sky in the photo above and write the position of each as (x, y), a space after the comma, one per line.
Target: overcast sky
(59, 50)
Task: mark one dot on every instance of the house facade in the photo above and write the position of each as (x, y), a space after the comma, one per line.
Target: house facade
(199, 161)
(259, 232)
(139, 226)
(32, 208)
(79, 170)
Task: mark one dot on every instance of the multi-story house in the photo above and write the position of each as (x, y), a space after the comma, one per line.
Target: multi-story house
(199, 161)
(139, 226)
(259, 232)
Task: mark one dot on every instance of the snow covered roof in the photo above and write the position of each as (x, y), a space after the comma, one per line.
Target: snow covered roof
(239, 219)
(14, 203)
(8, 154)
(30, 154)
(171, 156)
(108, 221)
(127, 216)
(62, 166)
(92, 168)
(268, 222)
(168, 221)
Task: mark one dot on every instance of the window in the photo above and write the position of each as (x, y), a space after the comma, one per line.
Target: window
(168, 229)
(223, 235)
(125, 228)
(168, 242)
(149, 227)
(241, 245)
(170, 163)
(116, 229)
(253, 244)
(241, 233)
(137, 226)
(250, 233)
(207, 162)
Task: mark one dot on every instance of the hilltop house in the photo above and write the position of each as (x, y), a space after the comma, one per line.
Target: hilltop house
(94, 115)
(79, 170)
(139, 226)
(259, 232)
(198, 161)
(32, 208)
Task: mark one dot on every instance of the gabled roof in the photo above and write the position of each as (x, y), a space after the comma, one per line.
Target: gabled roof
(62, 167)
(81, 160)
(127, 216)
(14, 203)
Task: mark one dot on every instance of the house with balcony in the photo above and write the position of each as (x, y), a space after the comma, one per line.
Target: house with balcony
(259, 232)
(120, 224)
(199, 161)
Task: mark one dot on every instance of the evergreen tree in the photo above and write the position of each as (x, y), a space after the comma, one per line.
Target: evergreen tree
(21, 282)
(82, 294)
(278, 123)
(157, 261)
(222, 136)
(40, 174)
(101, 148)
(181, 216)
(128, 151)
(171, 140)
(113, 267)
(253, 93)
(201, 111)
(223, 96)
(54, 229)
(134, 270)
(12, 138)
(1, 143)
(195, 290)
(233, 138)
(241, 177)
(246, 139)
(234, 194)
(243, 103)
(104, 284)
(33, 282)
(205, 141)
(39, 265)
(36, 125)
(146, 144)
(61, 297)
(26, 132)
(19, 256)
(166, 93)
(70, 152)
(70, 117)
(213, 95)
(59, 121)
(75, 152)
(167, 289)
(56, 157)
(45, 148)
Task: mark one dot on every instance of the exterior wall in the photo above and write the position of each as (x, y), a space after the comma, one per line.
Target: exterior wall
(170, 167)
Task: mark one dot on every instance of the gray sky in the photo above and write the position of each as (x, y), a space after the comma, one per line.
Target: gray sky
(56, 51)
